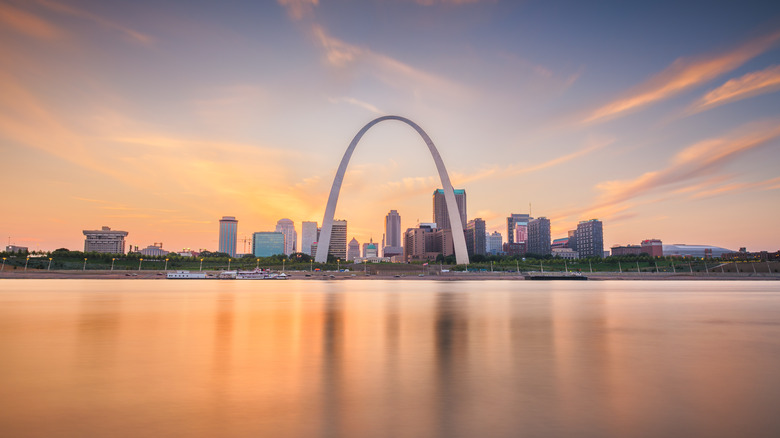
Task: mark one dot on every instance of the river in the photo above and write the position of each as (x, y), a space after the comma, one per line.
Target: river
(372, 358)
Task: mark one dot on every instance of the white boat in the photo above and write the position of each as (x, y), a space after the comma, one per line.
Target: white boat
(186, 275)
(259, 274)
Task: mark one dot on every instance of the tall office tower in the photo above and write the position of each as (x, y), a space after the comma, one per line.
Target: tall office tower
(309, 235)
(353, 250)
(590, 238)
(573, 239)
(267, 243)
(512, 222)
(475, 237)
(539, 237)
(105, 241)
(287, 227)
(392, 245)
(495, 243)
(228, 235)
(338, 240)
(440, 215)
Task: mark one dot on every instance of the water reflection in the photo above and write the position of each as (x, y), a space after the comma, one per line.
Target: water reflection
(388, 359)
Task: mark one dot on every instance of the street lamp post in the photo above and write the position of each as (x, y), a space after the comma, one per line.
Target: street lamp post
(283, 260)
(84, 268)
(3, 268)
(338, 265)
(620, 267)
(113, 259)
(258, 264)
(166, 265)
(139, 263)
(49, 268)
(311, 265)
(365, 272)
(229, 259)
(201, 264)
(26, 262)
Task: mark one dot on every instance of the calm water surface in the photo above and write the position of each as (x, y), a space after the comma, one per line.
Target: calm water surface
(129, 358)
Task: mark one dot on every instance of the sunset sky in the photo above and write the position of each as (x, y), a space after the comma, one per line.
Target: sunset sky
(662, 119)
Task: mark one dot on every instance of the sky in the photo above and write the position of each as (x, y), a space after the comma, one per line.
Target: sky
(661, 119)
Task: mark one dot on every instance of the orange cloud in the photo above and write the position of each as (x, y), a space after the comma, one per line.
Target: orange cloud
(770, 184)
(683, 74)
(749, 85)
(693, 162)
(27, 23)
(103, 22)
(299, 9)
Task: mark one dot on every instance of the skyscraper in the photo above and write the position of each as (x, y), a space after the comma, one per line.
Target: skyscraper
(511, 225)
(228, 235)
(338, 240)
(590, 238)
(353, 250)
(475, 237)
(539, 237)
(440, 215)
(309, 235)
(287, 227)
(392, 235)
(494, 243)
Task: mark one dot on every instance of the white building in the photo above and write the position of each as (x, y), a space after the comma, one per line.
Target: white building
(565, 253)
(287, 227)
(494, 243)
(309, 235)
(153, 250)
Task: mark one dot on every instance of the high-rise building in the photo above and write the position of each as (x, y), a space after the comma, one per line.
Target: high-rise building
(287, 227)
(512, 222)
(475, 237)
(392, 245)
(353, 250)
(309, 234)
(572, 242)
(441, 216)
(228, 235)
(105, 241)
(494, 243)
(590, 238)
(267, 243)
(539, 237)
(338, 240)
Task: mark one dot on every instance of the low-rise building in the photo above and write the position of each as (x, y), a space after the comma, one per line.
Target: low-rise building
(565, 253)
(105, 241)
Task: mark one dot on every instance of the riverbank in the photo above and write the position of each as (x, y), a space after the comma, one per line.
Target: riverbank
(445, 276)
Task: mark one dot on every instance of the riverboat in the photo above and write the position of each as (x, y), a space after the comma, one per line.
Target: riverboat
(186, 275)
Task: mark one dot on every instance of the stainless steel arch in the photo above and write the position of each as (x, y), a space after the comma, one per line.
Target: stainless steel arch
(458, 239)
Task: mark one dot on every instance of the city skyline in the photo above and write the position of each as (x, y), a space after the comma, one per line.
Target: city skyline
(160, 119)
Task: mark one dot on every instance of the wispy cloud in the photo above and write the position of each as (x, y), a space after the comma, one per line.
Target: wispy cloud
(397, 74)
(358, 103)
(132, 34)
(749, 85)
(27, 23)
(693, 162)
(683, 74)
(299, 9)
(450, 2)
(740, 187)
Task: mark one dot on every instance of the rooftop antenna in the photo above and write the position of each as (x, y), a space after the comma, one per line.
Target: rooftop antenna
(529, 210)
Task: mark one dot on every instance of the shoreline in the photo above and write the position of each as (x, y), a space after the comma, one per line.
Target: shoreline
(450, 276)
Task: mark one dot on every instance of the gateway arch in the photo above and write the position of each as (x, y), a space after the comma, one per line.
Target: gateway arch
(458, 239)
